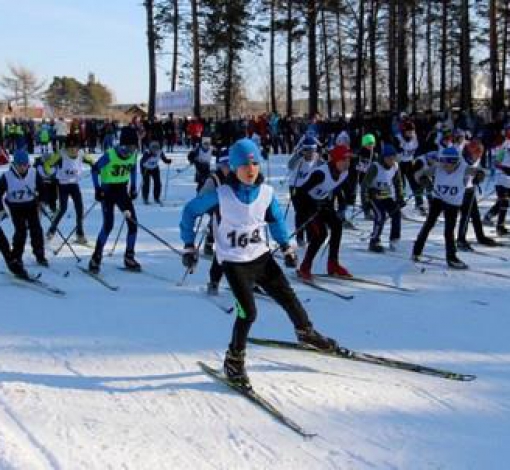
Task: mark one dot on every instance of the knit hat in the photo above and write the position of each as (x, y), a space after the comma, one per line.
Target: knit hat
(340, 153)
(243, 152)
(449, 155)
(368, 139)
(388, 151)
(21, 157)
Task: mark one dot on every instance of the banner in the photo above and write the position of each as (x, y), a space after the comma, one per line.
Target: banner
(180, 101)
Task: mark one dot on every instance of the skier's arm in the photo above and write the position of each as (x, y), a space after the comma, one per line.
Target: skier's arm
(194, 209)
(276, 223)
(133, 178)
(398, 185)
(51, 162)
(3, 190)
(96, 169)
(315, 178)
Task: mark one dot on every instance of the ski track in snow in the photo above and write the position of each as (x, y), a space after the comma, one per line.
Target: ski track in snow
(104, 380)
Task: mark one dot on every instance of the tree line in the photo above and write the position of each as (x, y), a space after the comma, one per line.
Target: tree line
(396, 55)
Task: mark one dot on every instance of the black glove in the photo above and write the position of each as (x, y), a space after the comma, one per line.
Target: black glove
(289, 257)
(190, 256)
(479, 177)
(401, 203)
(99, 195)
(133, 194)
(505, 170)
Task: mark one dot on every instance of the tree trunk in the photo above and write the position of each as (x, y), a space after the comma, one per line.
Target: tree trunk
(444, 41)
(229, 79)
(428, 39)
(413, 55)
(312, 58)
(340, 63)
(176, 44)
(290, 59)
(504, 54)
(151, 43)
(196, 57)
(329, 104)
(465, 58)
(403, 67)
(373, 58)
(391, 54)
(359, 58)
(272, 84)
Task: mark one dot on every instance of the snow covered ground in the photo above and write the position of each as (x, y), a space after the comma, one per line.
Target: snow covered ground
(108, 380)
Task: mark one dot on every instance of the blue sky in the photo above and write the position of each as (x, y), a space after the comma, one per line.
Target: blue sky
(74, 37)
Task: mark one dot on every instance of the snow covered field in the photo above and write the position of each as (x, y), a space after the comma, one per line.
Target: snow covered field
(108, 380)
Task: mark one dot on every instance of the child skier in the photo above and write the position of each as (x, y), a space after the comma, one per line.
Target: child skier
(149, 166)
(111, 175)
(317, 195)
(245, 205)
(382, 192)
(449, 178)
(68, 163)
(21, 185)
(201, 157)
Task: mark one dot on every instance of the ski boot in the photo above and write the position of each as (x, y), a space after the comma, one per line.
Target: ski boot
(375, 246)
(456, 263)
(502, 231)
(337, 269)
(212, 288)
(464, 245)
(305, 271)
(487, 241)
(81, 239)
(16, 267)
(95, 263)
(130, 262)
(233, 367)
(42, 261)
(309, 337)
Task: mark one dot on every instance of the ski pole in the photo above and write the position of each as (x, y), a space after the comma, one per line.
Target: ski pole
(78, 259)
(299, 229)
(117, 238)
(166, 181)
(66, 240)
(128, 217)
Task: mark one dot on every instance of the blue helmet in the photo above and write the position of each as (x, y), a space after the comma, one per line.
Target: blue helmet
(449, 155)
(21, 157)
(309, 144)
(388, 150)
(243, 152)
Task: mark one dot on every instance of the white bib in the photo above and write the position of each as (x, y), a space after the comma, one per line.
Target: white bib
(383, 182)
(204, 156)
(324, 190)
(70, 169)
(450, 187)
(20, 189)
(152, 162)
(299, 175)
(408, 149)
(240, 235)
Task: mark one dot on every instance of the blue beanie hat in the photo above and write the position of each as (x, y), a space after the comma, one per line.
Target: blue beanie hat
(243, 152)
(21, 157)
(449, 155)
(388, 151)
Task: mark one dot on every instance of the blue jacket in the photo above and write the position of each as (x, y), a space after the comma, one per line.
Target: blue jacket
(246, 194)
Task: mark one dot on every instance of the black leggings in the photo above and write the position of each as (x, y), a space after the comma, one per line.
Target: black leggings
(470, 209)
(450, 219)
(501, 206)
(407, 172)
(25, 218)
(266, 273)
(155, 174)
(73, 191)
(5, 249)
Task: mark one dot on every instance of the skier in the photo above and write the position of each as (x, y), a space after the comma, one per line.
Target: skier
(21, 185)
(449, 177)
(68, 163)
(245, 205)
(111, 175)
(49, 192)
(364, 158)
(215, 180)
(317, 195)
(304, 160)
(382, 191)
(472, 154)
(149, 167)
(502, 184)
(201, 157)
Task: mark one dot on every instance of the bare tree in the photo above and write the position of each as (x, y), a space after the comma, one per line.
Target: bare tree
(22, 86)
(151, 45)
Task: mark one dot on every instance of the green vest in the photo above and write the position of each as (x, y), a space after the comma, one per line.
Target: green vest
(118, 170)
(44, 137)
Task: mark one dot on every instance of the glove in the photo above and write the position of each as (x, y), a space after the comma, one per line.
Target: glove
(505, 170)
(426, 182)
(289, 257)
(99, 195)
(190, 256)
(133, 194)
(3, 215)
(479, 178)
(401, 203)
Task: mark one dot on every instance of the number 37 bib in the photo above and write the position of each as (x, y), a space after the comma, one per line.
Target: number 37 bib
(240, 235)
